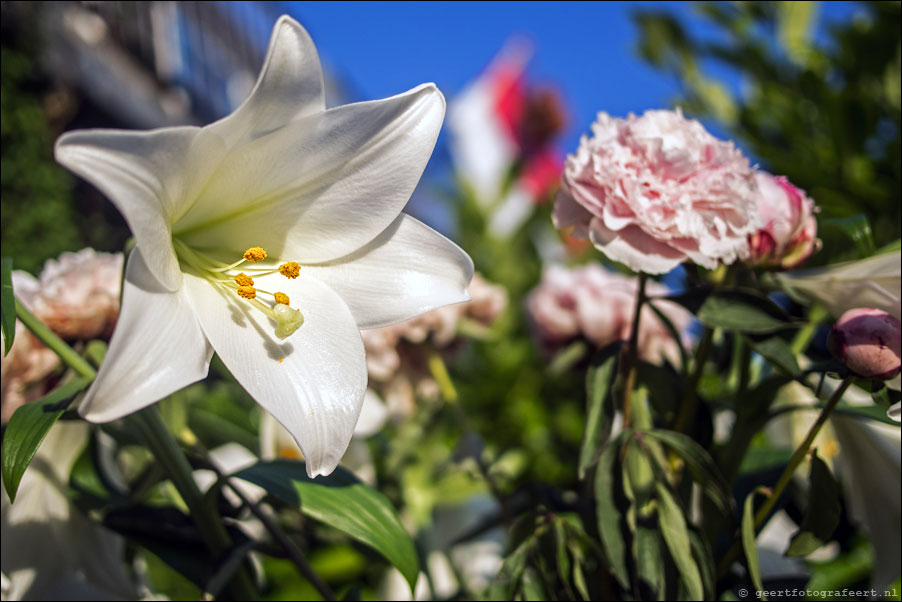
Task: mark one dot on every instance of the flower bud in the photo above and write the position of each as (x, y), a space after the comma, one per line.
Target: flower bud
(867, 341)
(788, 233)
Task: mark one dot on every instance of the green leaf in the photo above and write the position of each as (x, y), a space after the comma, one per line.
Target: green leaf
(608, 512)
(649, 565)
(743, 311)
(857, 227)
(701, 466)
(748, 540)
(341, 501)
(822, 514)
(705, 560)
(511, 572)
(28, 427)
(599, 405)
(777, 352)
(676, 537)
(7, 304)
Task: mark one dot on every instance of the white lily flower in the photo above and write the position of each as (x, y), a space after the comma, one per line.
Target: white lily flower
(872, 282)
(320, 190)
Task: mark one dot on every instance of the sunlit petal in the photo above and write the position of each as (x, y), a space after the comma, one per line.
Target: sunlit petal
(312, 382)
(320, 188)
(157, 348)
(407, 270)
(290, 86)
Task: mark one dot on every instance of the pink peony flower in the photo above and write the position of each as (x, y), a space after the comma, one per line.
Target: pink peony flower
(77, 297)
(788, 233)
(597, 304)
(868, 342)
(656, 190)
(78, 294)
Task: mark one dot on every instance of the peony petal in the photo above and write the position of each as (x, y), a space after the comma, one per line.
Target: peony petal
(407, 270)
(151, 177)
(290, 86)
(320, 188)
(635, 249)
(567, 212)
(157, 348)
(313, 382)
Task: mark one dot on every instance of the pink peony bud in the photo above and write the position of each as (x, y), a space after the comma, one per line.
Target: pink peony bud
(788, 234)
(867, 341)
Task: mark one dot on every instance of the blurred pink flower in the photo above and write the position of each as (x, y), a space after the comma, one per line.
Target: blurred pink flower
(788, 234)
(592, 302)
(654, 191)
(78, 294)
(868, 342)
(395, 358)
(77, 297)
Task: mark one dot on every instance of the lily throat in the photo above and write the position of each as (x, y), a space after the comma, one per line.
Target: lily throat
(238, 279)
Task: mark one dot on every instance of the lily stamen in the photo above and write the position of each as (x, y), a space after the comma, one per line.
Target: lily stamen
(287, 319)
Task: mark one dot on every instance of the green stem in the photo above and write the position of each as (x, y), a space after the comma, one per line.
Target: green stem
(690, 397)
(294, 552)
(167, 452)
(53, 342)
(442, 377)
(630, 353)
(800, 453)
(800, 342)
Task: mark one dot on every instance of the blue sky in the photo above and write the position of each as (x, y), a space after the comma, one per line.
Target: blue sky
(586, 49)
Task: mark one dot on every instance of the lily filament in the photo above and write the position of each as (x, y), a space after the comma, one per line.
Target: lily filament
(227, 277)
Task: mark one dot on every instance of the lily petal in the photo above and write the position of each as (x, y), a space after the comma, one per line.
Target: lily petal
(409, 257)
(312, 382)
(157, 348)
(320, 188)
(290, 86)
(149, 176)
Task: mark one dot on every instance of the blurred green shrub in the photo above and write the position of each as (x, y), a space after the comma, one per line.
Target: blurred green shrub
(822, 110)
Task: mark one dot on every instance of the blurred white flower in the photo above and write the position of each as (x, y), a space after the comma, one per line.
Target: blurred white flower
(872, 282)
(276, 442)
(50, 551)
(396, 356)
(320, 189)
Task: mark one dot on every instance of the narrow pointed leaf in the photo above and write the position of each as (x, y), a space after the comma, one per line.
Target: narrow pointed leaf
(28, 427)
(823, 512)
(702, 468)
(341, 501)
(676, 537)
(599, 407)
(748, 541)
(7, 304)
(608, 510)
(742, 311)
(649, 564)
(777, 352)
(703, 557)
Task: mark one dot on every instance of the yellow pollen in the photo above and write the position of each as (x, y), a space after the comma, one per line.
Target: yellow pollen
(243, 279)
(248, 292)
(290, 269)
(281, 298)
(255, 254)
